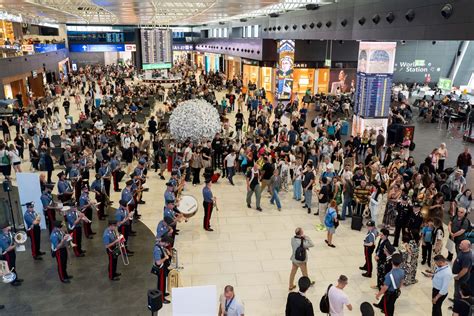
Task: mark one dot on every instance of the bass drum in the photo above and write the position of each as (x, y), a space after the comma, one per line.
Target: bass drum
(188, 206)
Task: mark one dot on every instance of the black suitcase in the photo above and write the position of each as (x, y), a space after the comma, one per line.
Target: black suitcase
(356, 223)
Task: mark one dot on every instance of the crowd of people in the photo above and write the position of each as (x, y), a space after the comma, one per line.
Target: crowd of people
(274, 145)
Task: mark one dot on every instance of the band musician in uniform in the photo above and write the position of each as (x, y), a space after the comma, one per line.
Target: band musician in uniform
(32, 220)
(59, 241)
(74, 228)
(8, 245)
(111, 243)
(85, 207)
(208, 204)
(97, 187)
(48, 209)
(161, 258)
(64, 188)
(123, 218)
(369, 247)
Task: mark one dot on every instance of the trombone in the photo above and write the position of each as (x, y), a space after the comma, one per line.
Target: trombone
(121, 246)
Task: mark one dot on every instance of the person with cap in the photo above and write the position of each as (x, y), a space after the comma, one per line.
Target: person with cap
(127, 195)
(111, 242)
(404, 209)
(382, 255)
(168, 211)
(369, 247)
(64, 188)
(98, 188)
(161, 258)
(230, 305)
(208, 205)
(32, 221)
(390, 289)
(169, 192)
(85, 208)
(164, 228)
(74, 228)
(123, 218)
(76, 180)
(106, 173)
(116, 172)
(7, 244)
(48, 209)
(59, 242)
(297, 304)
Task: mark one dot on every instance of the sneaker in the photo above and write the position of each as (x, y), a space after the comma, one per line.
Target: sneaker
(366, 275)
(259, 209)
(165, 301)
(249, 206)
(279, 209)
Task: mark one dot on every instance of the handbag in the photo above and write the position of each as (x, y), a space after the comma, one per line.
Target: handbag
(155, 270)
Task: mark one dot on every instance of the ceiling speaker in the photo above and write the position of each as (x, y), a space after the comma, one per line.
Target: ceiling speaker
(362, 21)
(319, 25)
(328, 24)
(376, 19)
(447, 11)
(312, 25)
(410, 15)
(344, 23)
(390, 17)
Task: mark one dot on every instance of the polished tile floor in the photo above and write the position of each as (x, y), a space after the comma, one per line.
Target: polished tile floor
(248, 249)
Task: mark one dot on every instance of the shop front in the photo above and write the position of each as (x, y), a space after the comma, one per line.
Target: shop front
(212, 62)
(304, 77)
(321, 80)
(182, 53)
(251, 73)
(233, 66)
(198, 59)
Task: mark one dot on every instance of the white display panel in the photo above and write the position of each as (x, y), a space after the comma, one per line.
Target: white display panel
(157, 46)
(195, 301)
(29, 189)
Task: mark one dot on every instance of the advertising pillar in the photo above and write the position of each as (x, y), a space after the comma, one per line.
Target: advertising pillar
(284, 86)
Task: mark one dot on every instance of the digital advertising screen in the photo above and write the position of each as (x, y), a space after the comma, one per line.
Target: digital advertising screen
(342, 80)
(286, 61)
(376, 57)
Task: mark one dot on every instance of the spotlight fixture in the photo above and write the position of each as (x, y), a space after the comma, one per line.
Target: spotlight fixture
(447, 11)
(311, 26)
(390, 17)
(304, 26)
(319, 25)
(376, 19)
(295, 27)
(265, 29)
(279, 28)
(344, 23)
(286, 27)
(274, 28)
(410, 15)
(273, 15)
(433, 42)
(362, 21)
(403, 42)
(328, 24)
(312, 6)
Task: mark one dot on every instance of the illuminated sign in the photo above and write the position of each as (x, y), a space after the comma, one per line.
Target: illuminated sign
(157, 66)
(84, 48)
(286, 53)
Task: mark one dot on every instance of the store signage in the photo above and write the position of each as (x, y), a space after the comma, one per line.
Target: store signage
(27, 48)
(445, 84)
(250, 62)
(157, 66)
(305, 65)
(419, 62)
(46, 48)
(84, 48)
(183, 47)
(416, 66)
(130, 47)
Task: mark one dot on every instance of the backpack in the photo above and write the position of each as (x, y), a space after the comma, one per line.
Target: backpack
(412, 146)
(300, 252)
(324, 303)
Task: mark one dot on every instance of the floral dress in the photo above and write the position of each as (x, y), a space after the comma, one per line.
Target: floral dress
(410, 262)
(391, 210)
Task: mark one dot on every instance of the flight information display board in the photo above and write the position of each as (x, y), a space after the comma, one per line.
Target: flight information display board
(157, 46)
(373, 95)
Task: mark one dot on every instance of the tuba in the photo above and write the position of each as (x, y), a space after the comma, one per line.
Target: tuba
(20, 237)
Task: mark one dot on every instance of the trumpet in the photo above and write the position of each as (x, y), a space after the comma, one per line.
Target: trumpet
(121, 246)
(83, 217)
(69, 241)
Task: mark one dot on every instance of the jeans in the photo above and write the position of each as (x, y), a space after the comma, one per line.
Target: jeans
(297, 190)
(258, 194)
(347, 204)
(230, 173)
(275, 198)
(308, 197)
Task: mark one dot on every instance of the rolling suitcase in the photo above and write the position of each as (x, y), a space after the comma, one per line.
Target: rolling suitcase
(356, 223)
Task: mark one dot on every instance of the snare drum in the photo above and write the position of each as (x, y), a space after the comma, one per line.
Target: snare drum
(188, 206)
(64, 210)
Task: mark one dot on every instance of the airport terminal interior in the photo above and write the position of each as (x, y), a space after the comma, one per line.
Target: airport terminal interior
(230, 158)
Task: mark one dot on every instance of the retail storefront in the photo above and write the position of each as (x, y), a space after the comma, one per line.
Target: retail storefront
(233, 66)
(321, 80)
(212, 62)
(304, 75)
(251, 72)
(198, 59)
(182, 53)
(28, 84)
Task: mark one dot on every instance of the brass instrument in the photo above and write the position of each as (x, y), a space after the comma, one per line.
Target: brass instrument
(121, 246)
(174, 279)
(83, 217)
(20, 238)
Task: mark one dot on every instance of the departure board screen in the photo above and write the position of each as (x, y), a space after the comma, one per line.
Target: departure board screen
(373, 95)
(157, 46)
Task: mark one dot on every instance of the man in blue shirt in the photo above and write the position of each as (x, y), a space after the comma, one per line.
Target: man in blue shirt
(116, 172)
(59, 251)
(164, 228)
(97, 187)
(110, 240)
(369, 247)
(208, 205)
(85, 208)
(64, 188)
(9, 254)
(48, 210)
(161, 261)
(391, 287)
(74, 228)
(106, 173)
(75, 177)
(123, 218)
(442, 277)
(32, 221)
